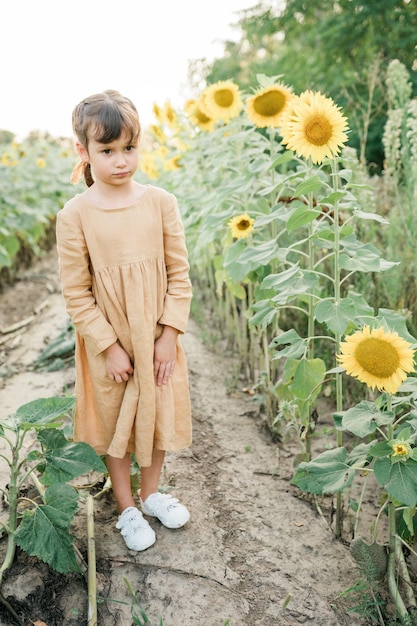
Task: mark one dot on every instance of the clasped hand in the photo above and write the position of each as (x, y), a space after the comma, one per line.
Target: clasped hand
(119, 366)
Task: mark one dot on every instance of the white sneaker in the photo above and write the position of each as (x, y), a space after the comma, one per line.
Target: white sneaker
(167, 509)
(135, 530)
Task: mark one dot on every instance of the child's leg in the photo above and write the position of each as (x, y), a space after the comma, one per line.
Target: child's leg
(149, 476)
(119, 472)
(135, 530)
(167, 509)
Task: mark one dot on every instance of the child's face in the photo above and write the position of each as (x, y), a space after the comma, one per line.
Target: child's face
(112, 163)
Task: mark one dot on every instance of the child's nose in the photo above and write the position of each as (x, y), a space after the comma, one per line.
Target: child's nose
(120, 160)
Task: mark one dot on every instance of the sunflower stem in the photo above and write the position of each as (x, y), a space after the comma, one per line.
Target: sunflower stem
(92, 575)
(357, 516)
(393, 547)
(405, 574)
(392, 580)
(339, 382)
(310, 312)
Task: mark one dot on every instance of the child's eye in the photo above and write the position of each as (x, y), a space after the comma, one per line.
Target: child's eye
(106, 151)
(130, 148)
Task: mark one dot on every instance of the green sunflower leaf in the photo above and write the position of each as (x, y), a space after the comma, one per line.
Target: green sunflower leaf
(237, 289)
(399, 479)
(43, 411)
(371, 216)
(66, 460)
(308, 376)
(278, 281)
(265, 313)
(408, 517)
(329, 472)
(44, 531)
(307, 186)
(361, 305)
(365, 261)
(395, 321)
(301, 216)
(336, 315)
(5, 260)
(363, 419)
(289, 345)
(240, 259)
(381, 449)
(302, 284)
(359, 456)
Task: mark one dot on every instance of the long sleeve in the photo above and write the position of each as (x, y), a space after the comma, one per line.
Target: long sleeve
(76, 281)
(179, 294)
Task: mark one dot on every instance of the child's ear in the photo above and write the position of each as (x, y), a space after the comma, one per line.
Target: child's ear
(82, 152)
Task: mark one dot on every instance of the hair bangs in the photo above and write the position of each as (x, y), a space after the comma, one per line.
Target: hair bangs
(112, 121)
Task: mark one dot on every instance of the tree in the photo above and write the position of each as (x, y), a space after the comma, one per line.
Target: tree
(341, 48)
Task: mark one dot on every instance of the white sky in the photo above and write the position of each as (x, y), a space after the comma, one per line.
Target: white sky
(57, 52)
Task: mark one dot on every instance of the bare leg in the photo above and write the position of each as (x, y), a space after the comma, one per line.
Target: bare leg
(150, 475)
(119, 471)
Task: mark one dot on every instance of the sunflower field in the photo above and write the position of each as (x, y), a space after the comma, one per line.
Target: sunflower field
(286, 230)
(34, 184)
(302, 264)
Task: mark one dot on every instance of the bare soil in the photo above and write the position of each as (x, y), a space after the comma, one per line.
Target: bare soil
(253, 541)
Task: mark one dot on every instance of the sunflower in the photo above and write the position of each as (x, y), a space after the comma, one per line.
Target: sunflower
(158, 113)
(189, 104)
(377, 358)
(158, 133)
(241, 226)
(161, 152)
(169, 114)
(266, 107)
(172, 163)
(148, 166)
(199, 118)
(221, 101)
(8, 160)
(401, 449)
(307, 97)
(314, 127)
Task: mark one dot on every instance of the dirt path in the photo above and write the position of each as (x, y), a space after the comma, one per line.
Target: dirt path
(251, 542)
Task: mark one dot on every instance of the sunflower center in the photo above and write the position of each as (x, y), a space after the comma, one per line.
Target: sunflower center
(223, 98)
(318, 130)
(243, 224)
(270, 103)
(202, 117)
(401, 449)
(377, 357)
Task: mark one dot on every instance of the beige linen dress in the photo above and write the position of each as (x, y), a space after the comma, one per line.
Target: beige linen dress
(124, 274)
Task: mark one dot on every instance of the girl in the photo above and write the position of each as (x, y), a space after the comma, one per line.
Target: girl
(124, 274)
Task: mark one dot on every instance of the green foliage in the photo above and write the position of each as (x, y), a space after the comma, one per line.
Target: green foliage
(284, 296)
(334, 470)
(59, 352)
(64, 460)
(34, 179)
(330, 472)
(44, 531)
(400, 143)
(391, 455)
(138, 614)
(371, 558)
(6, 137)
(341, 49)
(367, 602)
(41, 525)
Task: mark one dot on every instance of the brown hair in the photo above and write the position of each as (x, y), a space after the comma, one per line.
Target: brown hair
(104, 117)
